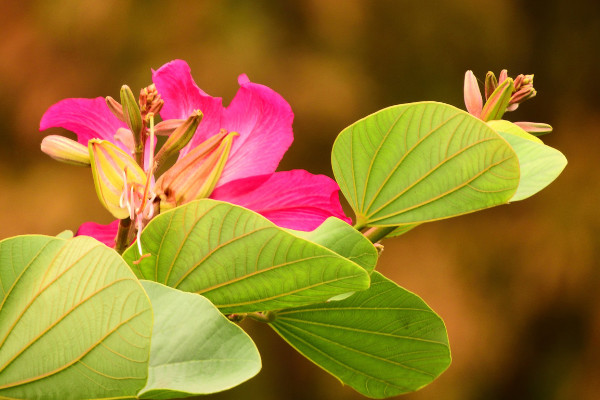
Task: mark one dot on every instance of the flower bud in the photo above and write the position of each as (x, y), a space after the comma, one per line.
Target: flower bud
(495, 106)
(491, 83)
(131, 111)
(503, 76)
(115, 107)
(180, 137)
(115, 174)
(166, 127)
(195, 175)
(535, 128)
(472, 94)
(66, 150)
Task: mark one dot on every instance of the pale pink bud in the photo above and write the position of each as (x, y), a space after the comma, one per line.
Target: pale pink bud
(535, 128)
(165, 128)
(115, 108)
(472, 94)
(66, 150)
(503, 75)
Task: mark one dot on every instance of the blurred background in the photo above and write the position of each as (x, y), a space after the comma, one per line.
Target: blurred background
(518, 286)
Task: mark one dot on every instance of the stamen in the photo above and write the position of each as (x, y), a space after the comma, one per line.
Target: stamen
(139, 224)
(149, 209)
(131, 204)
(123, 203)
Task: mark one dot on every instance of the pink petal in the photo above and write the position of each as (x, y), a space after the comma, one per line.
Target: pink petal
(182, 96)
(264, 121)
(103, 233)
(88, 118)
(291, 199)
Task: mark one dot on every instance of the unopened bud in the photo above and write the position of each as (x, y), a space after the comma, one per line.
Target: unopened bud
(495, 107)
(196, 175)
(115, 174)
(472, 94)
(535, 128)
(131, 111)
(156, 106)
(66, 150)
(166, 127)
(503, 75)
(115, 107)
(525, 93)
(491, 83)
(180, 137)
(149, 100)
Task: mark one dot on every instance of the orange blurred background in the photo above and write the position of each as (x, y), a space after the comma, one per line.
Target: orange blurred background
(518, 286)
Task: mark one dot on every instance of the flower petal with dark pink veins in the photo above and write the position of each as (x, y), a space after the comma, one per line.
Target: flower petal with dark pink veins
(103, 233)
(293, 199)
(182, 97)
(88, 118)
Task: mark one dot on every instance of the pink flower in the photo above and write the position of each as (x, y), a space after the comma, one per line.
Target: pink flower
(262, 118)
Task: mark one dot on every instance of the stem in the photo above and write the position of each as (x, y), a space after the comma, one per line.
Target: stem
(122, 240)
(376, 234)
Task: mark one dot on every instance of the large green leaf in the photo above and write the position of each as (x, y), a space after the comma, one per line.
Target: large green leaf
(239, 260)
(75, 322)
(195, 349)
(382, 342)
(346, 241)
(540, 164)
(421, 162)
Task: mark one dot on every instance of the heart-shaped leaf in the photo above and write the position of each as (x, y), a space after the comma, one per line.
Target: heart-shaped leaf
(75, 321)
(421, 162)
(383, 341)
(239, 260)
(540, 164)
(195, 349)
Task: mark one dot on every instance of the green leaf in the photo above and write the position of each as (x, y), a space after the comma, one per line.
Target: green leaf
(343, 239)
(383, 342)
(540, 164)
(421, 162)
(239, 260)
(76, 322)
(195, 349)
(65, 234)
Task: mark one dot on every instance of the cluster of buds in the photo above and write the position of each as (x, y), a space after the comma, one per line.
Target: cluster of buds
(502, 94)
(124, 180)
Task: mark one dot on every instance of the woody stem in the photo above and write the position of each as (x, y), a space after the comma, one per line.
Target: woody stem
(122, 240)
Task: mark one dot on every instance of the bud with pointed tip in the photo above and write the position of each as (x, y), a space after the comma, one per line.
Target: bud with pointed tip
(116, 175)
(491, 83)
(115, 107)
(535, 128)
(195, 175)
(180, 137)
(66, 150)
(131, 111)
(166, 127)
(496, 105)
(503, 75)
(472, 94)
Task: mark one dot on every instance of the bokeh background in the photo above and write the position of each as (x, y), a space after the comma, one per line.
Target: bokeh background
(518, 286)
